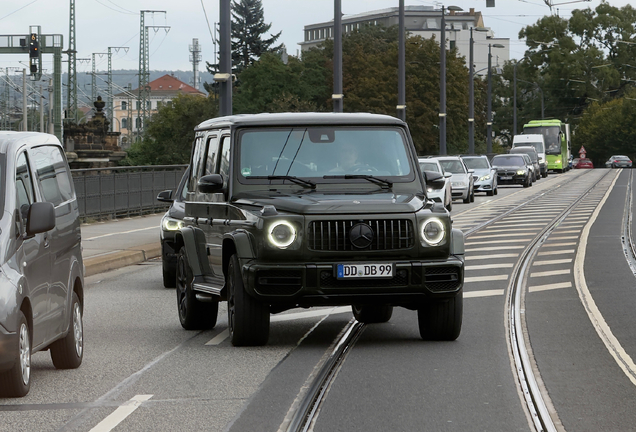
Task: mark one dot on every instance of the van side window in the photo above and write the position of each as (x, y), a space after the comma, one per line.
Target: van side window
(52, 174)
(24, 186)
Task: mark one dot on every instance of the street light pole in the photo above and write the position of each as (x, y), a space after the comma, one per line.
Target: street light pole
(401, 105)
(442, 87)
(514, 100)
(489, 104)
(471, 97)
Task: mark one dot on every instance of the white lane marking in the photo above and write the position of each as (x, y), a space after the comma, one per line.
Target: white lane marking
(498, 241)
(547, 287)
(492, 248)
(549, 244)
(557, 252)
(550, 262)
(478, 257)
(502, 225)
(499, 235)
(569, 231)
(565, 238)
(603, 330)
(120, 414)
(121, 232)
(216, 340)
(497, 230)
(488, 266)
(550, 273)
(219, 338)
(484, 293)
(485, 278)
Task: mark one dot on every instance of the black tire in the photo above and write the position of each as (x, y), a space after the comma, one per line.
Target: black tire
(16, 382)
(248, 319)
(472, 195)
(545, 174)
(526, 183)
(449, 207)
(441, 320)
(169, 269)
(467, 199)
(496, 190)
(68, 352)
(193, 314)
(372, 314)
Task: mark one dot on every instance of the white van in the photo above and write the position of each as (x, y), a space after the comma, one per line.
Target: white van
(536, 141)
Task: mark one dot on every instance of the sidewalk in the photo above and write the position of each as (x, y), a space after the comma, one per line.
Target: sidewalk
(120, 242)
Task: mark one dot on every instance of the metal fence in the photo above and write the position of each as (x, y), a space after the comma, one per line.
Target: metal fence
(107, 193)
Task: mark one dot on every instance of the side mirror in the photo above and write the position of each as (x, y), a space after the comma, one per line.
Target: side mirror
(41, 218)
(165, 196)
(471, 171)
(434, 179)
(210, 183)
(447, 174)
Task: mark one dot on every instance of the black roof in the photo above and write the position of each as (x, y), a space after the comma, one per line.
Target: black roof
(292, 119)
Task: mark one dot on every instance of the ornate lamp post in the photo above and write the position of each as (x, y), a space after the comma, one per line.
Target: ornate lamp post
(489, 113)
(442, 79)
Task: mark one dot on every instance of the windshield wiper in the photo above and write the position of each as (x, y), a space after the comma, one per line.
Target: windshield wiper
(381, 182)
(293, 179)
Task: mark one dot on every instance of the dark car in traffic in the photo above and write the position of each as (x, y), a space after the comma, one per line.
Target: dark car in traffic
(171, 223)
(295, 210)
(512, 169)
(534, 159)
(41, 267)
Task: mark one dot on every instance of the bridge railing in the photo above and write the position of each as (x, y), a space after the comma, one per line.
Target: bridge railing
(107, 193)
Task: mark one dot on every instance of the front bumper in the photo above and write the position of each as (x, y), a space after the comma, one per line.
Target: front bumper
(315, 284)
(460, 192)
(511, 179)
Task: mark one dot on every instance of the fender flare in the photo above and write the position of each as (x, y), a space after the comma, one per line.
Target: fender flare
(193, 239)
(238, 242)
(457, 242)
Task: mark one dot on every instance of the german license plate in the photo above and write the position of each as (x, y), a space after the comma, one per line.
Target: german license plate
(506, 177)
(364, 270)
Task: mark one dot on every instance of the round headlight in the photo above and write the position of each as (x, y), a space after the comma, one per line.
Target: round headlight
(433, 231)
(281, 234)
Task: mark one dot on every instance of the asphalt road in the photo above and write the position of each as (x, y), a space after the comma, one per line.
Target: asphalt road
(143, 372)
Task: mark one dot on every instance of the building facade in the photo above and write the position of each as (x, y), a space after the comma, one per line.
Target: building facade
(126, 105)
(424, 21)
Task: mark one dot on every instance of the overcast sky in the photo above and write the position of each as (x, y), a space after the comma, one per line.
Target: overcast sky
(115, 23)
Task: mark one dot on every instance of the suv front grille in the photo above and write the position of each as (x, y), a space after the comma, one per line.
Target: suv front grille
(388, 234)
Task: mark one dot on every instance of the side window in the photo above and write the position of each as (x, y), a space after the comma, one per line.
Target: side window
(24, 186)
(211, 155)
(224, 163)
(52, 174)
(195, 164)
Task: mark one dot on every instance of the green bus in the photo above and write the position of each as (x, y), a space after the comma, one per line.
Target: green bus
(556, 135)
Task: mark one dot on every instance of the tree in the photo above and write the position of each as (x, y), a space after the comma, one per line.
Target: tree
(248, 44)
(170, 132)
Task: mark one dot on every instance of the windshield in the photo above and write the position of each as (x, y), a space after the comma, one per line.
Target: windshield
(550, 136)
(476, 163)
(508, 161)
(316, 152)
(453, 166)
(429, 166)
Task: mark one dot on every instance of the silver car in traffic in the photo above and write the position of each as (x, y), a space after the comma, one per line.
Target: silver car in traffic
(442, 195)
(462, 183)
(484, 175)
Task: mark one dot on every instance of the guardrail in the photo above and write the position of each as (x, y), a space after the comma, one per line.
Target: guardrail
(107, 193)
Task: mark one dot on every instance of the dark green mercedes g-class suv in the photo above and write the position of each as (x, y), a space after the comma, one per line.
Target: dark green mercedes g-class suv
(314, 209)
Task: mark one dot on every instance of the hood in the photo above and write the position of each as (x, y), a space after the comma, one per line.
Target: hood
(337, 203)
(481, 171)
(510, 168)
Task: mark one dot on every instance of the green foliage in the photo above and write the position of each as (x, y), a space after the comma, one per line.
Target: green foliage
(170, 132)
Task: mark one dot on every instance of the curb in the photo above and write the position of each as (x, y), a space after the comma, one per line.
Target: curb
(121, 258)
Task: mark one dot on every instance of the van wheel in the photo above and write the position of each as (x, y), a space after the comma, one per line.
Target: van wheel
(371, 314)
(67, 353)
(247, 319)
(193, 314)
(16, 381)
(441, 320)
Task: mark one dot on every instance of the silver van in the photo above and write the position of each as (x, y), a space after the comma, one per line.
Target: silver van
(41, 267)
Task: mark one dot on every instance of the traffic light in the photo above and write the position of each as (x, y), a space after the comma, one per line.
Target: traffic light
(34, 46)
